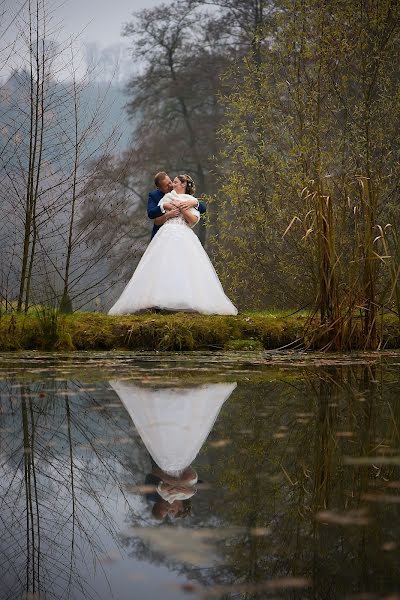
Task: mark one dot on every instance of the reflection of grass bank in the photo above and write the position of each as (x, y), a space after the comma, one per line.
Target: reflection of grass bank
(93, 331)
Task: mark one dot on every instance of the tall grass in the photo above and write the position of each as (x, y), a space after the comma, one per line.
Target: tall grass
(51, 325)
(390, 241)
(340, 223)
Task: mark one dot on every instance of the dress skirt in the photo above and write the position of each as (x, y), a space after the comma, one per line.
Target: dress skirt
(174, 274)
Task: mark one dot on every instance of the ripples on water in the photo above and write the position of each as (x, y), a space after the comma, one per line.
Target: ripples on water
(178, 476)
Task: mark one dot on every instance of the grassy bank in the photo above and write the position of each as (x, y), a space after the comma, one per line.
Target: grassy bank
(49, 330)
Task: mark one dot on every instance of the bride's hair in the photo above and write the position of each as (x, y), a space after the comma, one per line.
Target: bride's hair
(190, 187)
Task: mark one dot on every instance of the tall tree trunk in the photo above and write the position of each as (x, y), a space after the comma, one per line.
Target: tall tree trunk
(65, 304)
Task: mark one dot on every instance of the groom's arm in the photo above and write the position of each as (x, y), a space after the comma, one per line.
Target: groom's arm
(174, 212)
(201, 208)
(153, 210)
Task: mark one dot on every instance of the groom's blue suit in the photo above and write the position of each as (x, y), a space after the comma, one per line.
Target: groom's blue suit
(154, 211)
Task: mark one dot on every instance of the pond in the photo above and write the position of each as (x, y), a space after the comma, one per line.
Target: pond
(176, 476)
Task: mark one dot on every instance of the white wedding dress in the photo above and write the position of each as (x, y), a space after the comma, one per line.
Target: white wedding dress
(175, 274)
(173, 422)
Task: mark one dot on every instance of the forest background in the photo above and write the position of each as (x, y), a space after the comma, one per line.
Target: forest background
(286, 113)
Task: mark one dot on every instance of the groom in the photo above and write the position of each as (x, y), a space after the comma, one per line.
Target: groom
(163, 184)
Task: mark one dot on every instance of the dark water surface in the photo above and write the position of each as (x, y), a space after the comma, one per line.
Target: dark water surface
(141, 476)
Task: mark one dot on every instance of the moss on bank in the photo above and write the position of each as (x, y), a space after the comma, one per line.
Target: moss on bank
(94, 331)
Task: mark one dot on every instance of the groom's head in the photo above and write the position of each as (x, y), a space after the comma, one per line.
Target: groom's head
(163, 182)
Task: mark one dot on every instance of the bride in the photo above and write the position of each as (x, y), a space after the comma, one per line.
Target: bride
(193, 285)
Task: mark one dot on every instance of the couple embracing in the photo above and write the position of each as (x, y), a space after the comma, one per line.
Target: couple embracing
(175, 273)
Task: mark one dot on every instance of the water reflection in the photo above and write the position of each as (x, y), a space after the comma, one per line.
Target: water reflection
(56, 478)
(173, 424)
(69, 456)
(289, 489)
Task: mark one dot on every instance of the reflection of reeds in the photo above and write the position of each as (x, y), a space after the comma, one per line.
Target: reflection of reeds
(313, 508)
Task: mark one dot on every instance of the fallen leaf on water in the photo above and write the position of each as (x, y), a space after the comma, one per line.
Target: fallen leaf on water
(371, 460)
(190, 588)
(388, 546)
(352, 517)
(248, 588)
(220, 443)
(345, 434)
(260, 531)
(362, 596)
(386, 498)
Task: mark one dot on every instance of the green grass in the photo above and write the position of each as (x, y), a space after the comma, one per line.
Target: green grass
(94, 331)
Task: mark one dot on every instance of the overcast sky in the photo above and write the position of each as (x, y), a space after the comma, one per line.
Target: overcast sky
(96, 24)
(101, 20)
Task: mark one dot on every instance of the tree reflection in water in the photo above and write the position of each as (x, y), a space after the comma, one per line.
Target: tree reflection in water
(58, 473)
(290, 502)
(286, 479)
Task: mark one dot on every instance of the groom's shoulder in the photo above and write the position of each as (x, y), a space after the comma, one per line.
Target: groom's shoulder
(156, 194)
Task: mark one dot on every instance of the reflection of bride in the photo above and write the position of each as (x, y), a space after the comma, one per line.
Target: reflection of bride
(173, 424)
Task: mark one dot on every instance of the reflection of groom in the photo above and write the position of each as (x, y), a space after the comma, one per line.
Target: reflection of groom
(171, 494)
(155, 212)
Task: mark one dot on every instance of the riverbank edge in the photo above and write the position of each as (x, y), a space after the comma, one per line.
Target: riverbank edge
(164, 332)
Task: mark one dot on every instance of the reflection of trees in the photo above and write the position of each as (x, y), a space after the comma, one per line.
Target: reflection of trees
(59, 474)
(282, 469)
(280, 464)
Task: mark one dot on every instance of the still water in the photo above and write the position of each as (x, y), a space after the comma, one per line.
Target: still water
(141, 476)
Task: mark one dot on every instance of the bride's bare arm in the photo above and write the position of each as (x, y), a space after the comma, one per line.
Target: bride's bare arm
(189, 203)
(189, 216)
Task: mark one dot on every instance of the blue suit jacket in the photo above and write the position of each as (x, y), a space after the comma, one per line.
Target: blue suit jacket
(154, 211)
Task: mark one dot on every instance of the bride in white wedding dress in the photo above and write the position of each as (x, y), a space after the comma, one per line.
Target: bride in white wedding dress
(193, 284)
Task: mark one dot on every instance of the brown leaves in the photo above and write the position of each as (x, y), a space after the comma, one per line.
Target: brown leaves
(359, 518)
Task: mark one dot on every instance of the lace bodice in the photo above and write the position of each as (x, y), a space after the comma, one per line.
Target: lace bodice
(179, 220)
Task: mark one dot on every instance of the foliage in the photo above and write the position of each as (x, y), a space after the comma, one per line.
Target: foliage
(310, 164)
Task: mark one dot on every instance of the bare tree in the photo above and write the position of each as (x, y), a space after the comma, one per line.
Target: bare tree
(49, 155)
